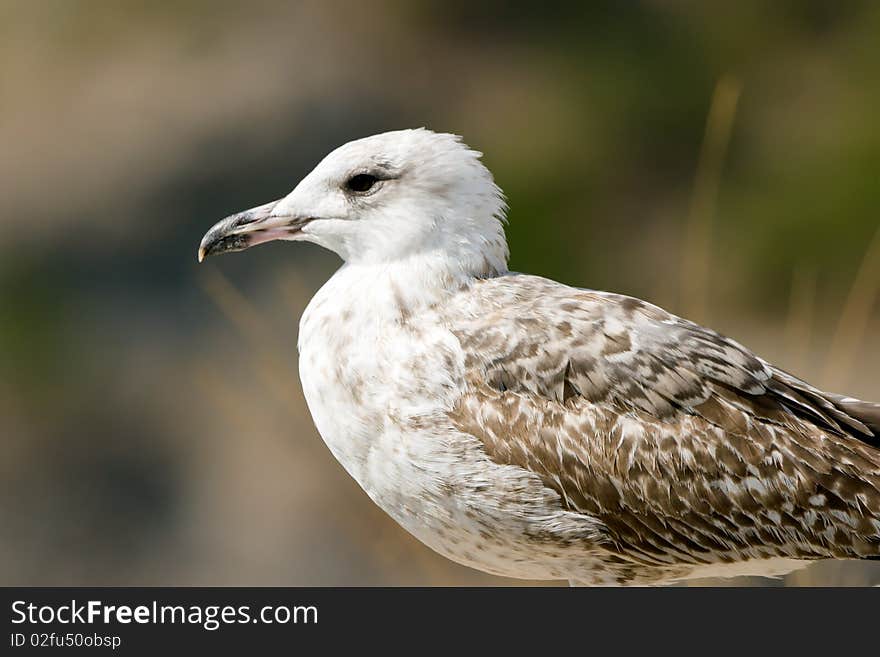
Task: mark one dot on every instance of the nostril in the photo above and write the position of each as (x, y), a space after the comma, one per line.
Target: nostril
(245, 218)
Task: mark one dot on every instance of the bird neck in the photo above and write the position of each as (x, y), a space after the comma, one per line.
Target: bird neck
(403, 286)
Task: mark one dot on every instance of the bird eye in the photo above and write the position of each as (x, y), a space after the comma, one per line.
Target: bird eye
(362, 182)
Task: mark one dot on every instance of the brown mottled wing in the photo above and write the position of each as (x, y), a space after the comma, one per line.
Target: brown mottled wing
(687, 446)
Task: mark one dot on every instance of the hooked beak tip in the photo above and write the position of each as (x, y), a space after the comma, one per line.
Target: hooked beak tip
(234, 233)
(249, 228)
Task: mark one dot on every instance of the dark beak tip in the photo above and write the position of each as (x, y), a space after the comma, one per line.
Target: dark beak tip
(227, 234)
(207, 246)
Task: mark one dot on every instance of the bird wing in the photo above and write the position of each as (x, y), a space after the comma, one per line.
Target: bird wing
(687, 446)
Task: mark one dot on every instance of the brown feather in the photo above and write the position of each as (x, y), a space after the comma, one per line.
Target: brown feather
(688, 447)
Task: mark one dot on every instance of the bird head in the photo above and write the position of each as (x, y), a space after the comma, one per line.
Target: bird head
(382, 199)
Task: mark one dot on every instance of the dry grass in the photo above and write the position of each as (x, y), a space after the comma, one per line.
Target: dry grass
(696, 251)
(854, 319)
(801, 317)
(259, 337)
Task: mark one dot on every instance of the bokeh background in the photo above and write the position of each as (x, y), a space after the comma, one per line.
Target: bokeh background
(719, 159)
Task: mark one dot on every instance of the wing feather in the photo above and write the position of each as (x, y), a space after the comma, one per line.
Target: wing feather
(687, 446)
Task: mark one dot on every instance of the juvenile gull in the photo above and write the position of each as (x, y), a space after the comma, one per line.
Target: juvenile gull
(535, 430)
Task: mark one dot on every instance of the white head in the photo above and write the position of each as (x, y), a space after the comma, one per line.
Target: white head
(384, 199)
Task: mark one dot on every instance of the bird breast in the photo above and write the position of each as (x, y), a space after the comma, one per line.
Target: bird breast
(367, 372)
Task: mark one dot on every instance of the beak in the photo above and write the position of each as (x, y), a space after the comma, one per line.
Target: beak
(249, 228)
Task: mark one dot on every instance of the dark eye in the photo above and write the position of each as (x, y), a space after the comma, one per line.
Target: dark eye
(362, 182)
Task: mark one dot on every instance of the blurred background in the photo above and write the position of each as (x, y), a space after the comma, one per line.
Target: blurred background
(720, 160)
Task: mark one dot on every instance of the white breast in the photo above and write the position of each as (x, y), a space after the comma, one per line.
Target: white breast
(362, 372)
(378, 391)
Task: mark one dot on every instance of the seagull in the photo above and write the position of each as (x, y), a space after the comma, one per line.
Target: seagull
(534, 430)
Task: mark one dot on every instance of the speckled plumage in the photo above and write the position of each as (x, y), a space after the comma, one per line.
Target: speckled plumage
(685, 446)
(535, 430)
